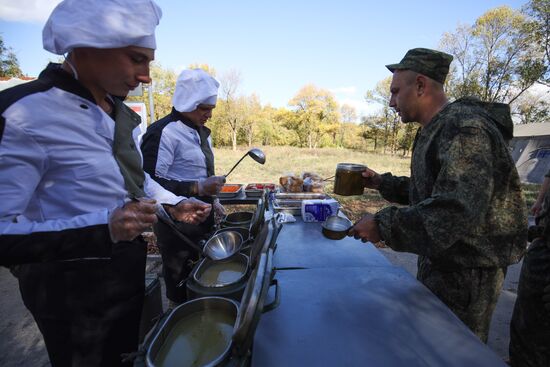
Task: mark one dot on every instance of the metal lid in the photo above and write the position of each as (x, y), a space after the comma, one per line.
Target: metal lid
(264, 236)
(351, 167)
(258, 217)
(252, 304)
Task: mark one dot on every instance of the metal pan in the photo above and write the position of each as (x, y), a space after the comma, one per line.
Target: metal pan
(336, 227)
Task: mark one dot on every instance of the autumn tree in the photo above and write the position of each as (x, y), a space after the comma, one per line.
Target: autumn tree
(209, 69)
(231, 111)
(314, 109)
(538, 27)
(496, 59)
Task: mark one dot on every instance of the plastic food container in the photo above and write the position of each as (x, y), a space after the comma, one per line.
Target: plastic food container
(230, 190)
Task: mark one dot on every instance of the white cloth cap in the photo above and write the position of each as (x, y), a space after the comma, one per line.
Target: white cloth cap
(101, 24)
(194, 87)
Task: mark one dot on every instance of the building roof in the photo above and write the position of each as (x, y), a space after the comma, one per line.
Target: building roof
(527, 130)
(6, 83)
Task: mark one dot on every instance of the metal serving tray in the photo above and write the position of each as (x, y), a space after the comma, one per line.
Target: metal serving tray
(226, 195)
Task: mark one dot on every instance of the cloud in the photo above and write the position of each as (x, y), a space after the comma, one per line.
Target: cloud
(344, 90)
(33, 11)
(361, 106)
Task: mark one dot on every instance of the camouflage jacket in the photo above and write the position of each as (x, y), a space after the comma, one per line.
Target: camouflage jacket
(465, 205)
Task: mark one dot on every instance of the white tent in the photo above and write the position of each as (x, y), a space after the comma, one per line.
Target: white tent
(530, 149)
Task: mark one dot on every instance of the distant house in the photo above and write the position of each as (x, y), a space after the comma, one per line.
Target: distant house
(531, 151)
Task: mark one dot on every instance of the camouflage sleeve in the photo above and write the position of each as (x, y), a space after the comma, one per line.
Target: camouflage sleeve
(394, 189)
(459, 200)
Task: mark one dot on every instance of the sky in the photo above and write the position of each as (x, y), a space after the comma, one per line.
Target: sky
(279, 46)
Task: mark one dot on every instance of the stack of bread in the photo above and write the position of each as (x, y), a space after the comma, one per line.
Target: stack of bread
(306, 182)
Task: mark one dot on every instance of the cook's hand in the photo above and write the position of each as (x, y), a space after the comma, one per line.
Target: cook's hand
(211, 185)
(546, 298)
(366, 229)
(219, 212)
(371, 179)
(190, 211)
(133, 218)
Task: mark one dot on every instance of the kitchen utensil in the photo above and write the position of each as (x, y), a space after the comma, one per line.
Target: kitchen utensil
(349, 179)
(336, 227)
(219, 247)
(255, 154)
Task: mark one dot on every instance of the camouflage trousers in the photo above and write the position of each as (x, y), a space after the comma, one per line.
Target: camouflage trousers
(471, 293)
(530, 325)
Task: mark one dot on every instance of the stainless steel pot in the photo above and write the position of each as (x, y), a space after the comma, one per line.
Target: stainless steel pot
(205, 325)
(336, 227)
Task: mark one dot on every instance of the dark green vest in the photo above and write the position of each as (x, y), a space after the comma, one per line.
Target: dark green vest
(125, 150)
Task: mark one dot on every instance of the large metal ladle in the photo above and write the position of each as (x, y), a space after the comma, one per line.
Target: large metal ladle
(255, 154)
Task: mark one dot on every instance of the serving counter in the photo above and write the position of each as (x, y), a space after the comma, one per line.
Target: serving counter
(343, 304)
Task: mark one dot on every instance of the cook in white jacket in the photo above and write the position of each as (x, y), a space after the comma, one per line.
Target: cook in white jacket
(73, 196)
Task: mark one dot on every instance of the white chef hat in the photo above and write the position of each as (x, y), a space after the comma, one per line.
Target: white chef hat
(101, 24)
(194, 87)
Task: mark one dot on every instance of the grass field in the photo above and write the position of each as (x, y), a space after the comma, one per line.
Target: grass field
(282, 160)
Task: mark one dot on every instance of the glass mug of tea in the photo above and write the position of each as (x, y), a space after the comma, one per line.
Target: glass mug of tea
(349, 179)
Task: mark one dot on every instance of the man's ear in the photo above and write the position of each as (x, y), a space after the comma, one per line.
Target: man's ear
(420, 84)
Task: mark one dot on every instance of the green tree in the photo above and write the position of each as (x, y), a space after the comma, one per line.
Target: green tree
(9, 65)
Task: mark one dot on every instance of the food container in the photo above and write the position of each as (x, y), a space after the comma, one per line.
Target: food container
(336, 227)
(214, 331)
(238, 219)
(196, 333)
(349, 179)
(230, 190)
(257, 189)
(292, 202)
(219, 278)
(319, 210)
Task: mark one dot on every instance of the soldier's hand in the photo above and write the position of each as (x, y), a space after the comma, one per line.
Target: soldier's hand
(211, 185)
(366, 229)
(133, 218)
(535, 209)
(371, 179)
(546, 297)
(190, 211)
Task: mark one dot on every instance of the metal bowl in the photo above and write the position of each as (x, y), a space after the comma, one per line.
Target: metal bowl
(336, 227)
(223, 245)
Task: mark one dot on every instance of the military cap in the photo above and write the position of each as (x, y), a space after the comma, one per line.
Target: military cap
(434, 64)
